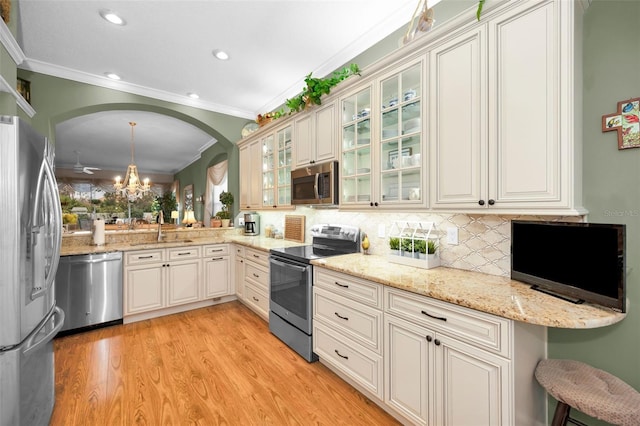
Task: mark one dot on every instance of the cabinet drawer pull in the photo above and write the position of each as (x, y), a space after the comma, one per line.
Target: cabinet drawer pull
(341, 285)
(216, 258)
(145, 257)
(341, 317)
(184, 253)
(256, 275)
(254, 298)
(216, 250)
(433, 316)
(340, 355)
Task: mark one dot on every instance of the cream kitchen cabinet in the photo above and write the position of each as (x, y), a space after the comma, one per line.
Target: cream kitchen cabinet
(276, 168)
(347, 329)
(217, 271)
(316, 135)
(256, 282)
(503, 118)
(382, 142)
(448, 365)
(155, 279)
(250, 158)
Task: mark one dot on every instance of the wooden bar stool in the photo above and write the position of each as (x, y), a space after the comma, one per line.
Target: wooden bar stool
(590, 390)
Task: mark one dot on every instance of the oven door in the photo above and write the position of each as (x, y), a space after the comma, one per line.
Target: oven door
(291, 292)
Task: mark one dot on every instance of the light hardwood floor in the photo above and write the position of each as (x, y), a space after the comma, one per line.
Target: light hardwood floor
(213, 366)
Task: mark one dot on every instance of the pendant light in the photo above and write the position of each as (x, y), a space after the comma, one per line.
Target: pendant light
(132, 187)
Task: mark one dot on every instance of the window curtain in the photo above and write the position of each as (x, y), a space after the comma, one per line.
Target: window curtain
(216, 175)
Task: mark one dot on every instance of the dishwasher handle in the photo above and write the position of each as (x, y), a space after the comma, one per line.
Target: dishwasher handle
(93, 258)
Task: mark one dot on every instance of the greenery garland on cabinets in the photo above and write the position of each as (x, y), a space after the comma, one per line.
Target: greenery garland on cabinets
(311, 94)
(479, 11)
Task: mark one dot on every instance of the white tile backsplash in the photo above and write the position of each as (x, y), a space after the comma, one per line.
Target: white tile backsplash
(484, 240)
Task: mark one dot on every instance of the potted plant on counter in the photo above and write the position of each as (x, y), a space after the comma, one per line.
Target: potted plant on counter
(433, 258)
(394, 245)
(226, 198)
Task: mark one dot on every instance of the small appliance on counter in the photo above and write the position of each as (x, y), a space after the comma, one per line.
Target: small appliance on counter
(251, 223)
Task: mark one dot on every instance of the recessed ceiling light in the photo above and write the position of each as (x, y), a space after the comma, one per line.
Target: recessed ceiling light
(193, 95)
(112, 17)
(221, 54)
(112, 76)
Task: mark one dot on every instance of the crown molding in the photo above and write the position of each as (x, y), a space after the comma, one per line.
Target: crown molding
(102, 81)
(10, 43)
(22, 103)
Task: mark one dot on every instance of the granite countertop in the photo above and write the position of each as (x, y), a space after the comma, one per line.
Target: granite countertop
(83, 246)
(493, 294)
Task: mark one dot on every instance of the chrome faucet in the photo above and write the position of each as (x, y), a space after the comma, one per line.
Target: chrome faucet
(160, 222)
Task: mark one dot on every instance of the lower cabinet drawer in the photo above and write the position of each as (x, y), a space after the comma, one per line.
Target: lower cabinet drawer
(359, 322)
(257, 274)
(256, 299)
(483, 330)
(356, 362)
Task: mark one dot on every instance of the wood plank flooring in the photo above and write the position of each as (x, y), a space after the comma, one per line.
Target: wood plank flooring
(212, 366)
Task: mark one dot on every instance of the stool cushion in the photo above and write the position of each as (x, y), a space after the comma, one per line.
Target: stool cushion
(590, 390)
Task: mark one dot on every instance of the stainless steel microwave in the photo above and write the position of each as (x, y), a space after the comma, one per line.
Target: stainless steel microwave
(316, 184)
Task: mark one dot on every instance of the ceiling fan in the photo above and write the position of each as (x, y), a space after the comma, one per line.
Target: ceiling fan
(79, 168)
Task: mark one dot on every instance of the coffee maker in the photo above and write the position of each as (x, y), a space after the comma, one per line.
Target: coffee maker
(251, 223)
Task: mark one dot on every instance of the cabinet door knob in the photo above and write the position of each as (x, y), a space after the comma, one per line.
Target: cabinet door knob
(492, 202)
(481, 202)
(437, 342)
(371, 204)
(429, 338)
(375, 204)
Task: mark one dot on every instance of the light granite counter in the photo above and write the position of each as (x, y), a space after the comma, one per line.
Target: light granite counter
(496, 295)
(81, 243)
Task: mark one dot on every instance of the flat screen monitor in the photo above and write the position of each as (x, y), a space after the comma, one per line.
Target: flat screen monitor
(580, 262)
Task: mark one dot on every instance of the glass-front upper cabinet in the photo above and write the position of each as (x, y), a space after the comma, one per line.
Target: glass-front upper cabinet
(401, 146)
(276, 168)
(268, 171)
(283, 167)
(356, 148)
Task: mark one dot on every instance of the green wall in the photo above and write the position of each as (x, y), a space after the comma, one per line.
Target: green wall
(611, 179)
(56, 100)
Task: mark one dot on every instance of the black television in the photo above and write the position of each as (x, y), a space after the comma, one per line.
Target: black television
(578, 262)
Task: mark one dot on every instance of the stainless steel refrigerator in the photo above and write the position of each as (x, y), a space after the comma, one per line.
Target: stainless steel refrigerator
(30, 238)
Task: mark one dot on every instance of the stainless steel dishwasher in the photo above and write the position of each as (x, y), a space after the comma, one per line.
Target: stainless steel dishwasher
(89, 290)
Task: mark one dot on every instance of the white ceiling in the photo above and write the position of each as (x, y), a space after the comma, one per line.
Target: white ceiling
(165, 51)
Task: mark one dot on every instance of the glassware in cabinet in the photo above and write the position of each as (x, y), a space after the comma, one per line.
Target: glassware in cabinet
(400, 149)
(283, 166)
(356, 147)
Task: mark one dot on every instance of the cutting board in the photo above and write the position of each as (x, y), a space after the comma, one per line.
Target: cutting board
(294, 228)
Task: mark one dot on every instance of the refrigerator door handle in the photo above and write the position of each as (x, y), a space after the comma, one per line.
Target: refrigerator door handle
(47, 197)
(31, 344)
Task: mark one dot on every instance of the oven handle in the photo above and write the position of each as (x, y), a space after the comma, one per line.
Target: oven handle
(289, 265)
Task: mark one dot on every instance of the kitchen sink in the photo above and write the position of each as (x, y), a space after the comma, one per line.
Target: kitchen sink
(146, 243)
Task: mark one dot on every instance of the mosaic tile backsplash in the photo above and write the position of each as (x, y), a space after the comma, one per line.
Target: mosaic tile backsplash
(483, 240)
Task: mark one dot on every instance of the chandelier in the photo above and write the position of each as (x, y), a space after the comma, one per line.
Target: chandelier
(132, 187)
